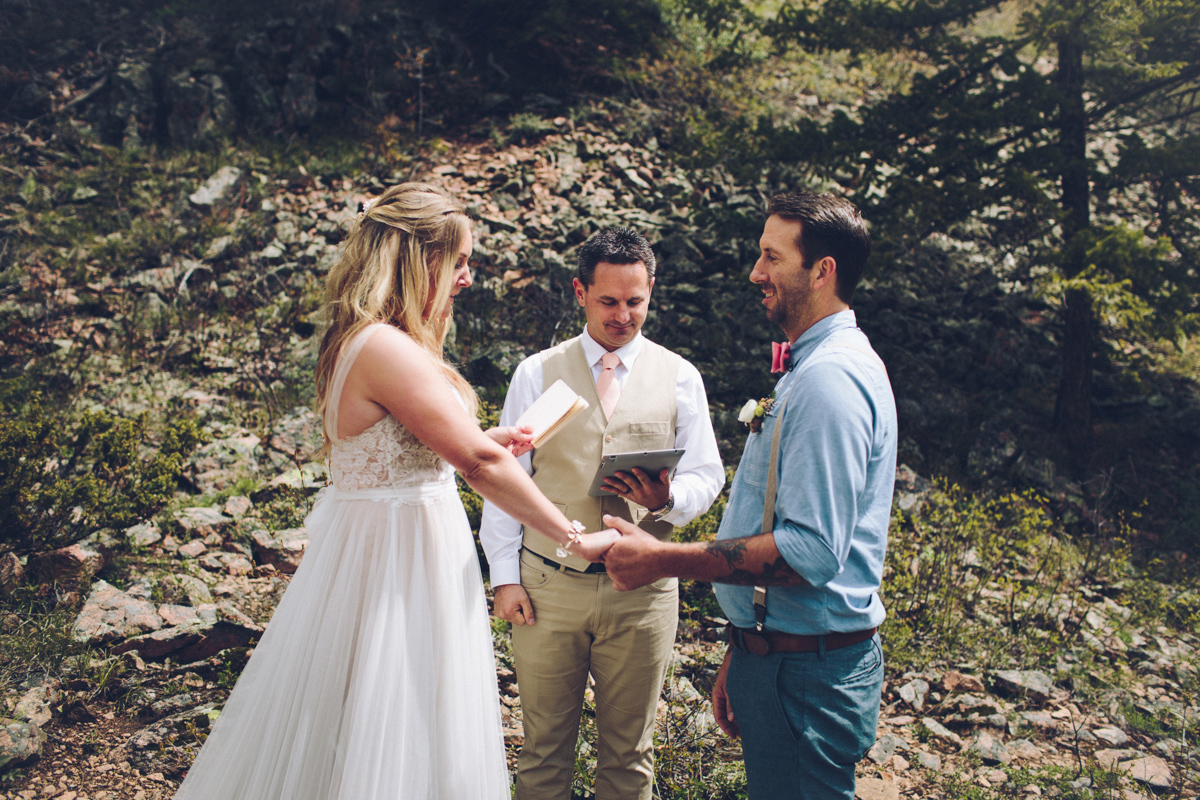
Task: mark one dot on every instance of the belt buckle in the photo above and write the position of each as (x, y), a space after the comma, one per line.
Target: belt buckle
(749, 640)
(756, 643)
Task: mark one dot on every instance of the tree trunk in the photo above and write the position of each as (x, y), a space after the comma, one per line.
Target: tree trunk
(1073, 409)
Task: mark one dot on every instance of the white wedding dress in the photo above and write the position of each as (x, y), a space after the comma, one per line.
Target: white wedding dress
(376, 677)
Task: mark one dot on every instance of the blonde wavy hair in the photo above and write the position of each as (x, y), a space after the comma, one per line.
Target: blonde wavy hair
(398, 261)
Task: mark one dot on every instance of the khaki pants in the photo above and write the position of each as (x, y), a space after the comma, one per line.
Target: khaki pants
(624, 639)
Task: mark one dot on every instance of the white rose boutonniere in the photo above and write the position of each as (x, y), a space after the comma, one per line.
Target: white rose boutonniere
(747, 412)
(753, 411)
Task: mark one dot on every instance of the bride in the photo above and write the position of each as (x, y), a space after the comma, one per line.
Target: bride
(376, 676)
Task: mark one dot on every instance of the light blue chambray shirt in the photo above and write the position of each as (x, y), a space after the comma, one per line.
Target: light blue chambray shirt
(837, 467)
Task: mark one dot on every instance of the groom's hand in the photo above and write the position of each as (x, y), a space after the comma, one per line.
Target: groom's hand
(722, 710)
(512, 603)
(631, 562)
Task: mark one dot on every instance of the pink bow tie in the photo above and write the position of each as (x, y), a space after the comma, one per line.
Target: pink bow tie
(781, 354)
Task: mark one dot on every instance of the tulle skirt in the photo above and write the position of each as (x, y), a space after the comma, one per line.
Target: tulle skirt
(376, 677)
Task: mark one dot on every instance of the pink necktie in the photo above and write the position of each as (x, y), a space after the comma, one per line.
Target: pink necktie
(607, 386)
(781, 354)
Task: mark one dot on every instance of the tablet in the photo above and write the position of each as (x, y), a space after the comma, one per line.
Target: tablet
(651, 462)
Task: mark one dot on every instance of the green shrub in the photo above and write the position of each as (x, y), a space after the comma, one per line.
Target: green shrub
(986, 578)
(60, 480)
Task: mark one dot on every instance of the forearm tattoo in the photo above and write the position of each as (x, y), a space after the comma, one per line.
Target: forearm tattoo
(733, 551)
(776, 573)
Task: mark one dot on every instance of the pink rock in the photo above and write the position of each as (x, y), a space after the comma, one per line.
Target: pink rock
(71, 568)
(193, 549)
(109, 614)
(283, 549)
(177, 615)
(958, 682)
(237, 506)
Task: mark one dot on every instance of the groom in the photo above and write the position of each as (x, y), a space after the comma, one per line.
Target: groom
(798, 557)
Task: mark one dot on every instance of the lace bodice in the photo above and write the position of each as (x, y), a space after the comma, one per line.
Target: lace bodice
(385, 455)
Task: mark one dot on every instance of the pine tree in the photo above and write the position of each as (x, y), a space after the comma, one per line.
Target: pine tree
(1044, 128)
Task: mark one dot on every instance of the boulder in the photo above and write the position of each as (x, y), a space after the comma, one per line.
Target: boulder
(1147, 769)
(193, 549)
(221, 463)
(1032, 684)
(41, 693)
(990, 748)
(168, 736)
(309, 477)
(911, 490)
(958, 682)
(194, 640)
(882, 788)
(297, 438)
(143, 534)
(914, 693)
(11, 572)
(71, 568)
(237, 506)
(281, 549)
(201, 521)
(883, 749)
(217, 188)
(940, 733)
(1113, 737)
(1023, 749)
(197, 591)
(20, 743)
(109, 614)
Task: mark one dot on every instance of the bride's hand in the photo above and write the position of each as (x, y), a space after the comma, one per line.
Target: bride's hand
(592, 546)
(517, 440)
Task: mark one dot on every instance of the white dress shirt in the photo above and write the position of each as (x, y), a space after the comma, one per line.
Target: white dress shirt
(698, 478)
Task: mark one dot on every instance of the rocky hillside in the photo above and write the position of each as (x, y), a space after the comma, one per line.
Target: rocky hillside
(189, 290)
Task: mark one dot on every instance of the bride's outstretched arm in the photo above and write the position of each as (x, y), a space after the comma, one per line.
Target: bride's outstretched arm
(395, 373)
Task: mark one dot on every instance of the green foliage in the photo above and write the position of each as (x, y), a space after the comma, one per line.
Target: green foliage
(985, 578)
(1138, 286)
(35, 636)
(693, 760)
(286, 508)
(59, 481)
(1051, 780)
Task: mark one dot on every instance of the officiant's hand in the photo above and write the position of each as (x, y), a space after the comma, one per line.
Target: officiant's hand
(517, 440)
(638, 486)
(512, 603)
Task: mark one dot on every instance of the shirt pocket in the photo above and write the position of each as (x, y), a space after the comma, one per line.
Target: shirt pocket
(753, 467)
(655, 429)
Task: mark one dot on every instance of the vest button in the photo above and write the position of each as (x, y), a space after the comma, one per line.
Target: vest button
(608, 438)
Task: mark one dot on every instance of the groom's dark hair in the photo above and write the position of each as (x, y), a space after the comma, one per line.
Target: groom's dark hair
(829, 226)
(613, 246)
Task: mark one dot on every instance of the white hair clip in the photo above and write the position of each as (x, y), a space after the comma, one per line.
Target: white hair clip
(365, 206)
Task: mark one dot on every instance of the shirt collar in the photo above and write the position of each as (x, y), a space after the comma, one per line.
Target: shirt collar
(803, 347)
(628, 353)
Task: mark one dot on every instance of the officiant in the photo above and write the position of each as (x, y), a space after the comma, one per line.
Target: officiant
(567, 620)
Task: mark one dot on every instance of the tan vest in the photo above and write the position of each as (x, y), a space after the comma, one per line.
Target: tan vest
(644, 419)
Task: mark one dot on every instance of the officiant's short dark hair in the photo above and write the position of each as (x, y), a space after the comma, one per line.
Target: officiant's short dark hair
(613, 246)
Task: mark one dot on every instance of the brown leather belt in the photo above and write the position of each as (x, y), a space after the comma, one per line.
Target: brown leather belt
(763, 643)
(592, 569)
